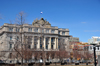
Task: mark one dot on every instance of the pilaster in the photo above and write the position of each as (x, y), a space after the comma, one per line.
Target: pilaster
(50, 43)
(55, 44)
(44, 43)
(32, 46)
(38, 45)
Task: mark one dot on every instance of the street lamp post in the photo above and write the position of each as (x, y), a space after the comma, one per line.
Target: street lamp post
(94, 56)
(94, 47)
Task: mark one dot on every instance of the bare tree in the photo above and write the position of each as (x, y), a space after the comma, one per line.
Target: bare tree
(21, 40)
(63, 49)
(62, 54)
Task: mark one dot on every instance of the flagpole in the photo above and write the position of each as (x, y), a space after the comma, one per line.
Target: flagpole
(41, 14)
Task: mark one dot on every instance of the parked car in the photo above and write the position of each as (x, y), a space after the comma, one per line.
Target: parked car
(73, 61)
(77, 62)
(63, 62)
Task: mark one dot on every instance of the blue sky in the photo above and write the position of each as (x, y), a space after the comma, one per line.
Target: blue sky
(81, 17)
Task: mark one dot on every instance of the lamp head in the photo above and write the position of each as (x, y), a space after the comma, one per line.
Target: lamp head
(93, 44)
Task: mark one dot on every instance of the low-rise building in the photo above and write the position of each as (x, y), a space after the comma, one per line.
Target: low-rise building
(41, 35)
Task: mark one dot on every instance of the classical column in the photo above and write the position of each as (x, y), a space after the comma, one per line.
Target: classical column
(38, 45)
(32, 46)
(44, 44)
(49, 43)
(55, 44)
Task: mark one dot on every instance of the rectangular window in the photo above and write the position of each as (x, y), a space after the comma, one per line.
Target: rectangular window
(10, 46)
(35, 38)
(47, 40)
(52, 46)
(59, 32)
(30, 29)
(40, 46)
(17, 29)
(63, 33)
(10, 37)
(52, 40)
(46, 46)
(98, 48)
(58, 46)
(47, 31)
(36, 29)
(41, 40)
(10, 29)
(29, 47)
(34, 46)
(10, 55)
(17, 38)
(52, 31)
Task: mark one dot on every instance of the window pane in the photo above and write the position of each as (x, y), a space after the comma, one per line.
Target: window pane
(10, 46)
(52, 31)
(63, 33)
(46, 46)
(29, 46)
(59, 32)
(17, 38)
(47, 31)
(51, 46)
(30, 29)
(36, 29)
(10, 37)
(40, 46)
(98, 48)
(10, 29)
(17, 29)
(34, 46)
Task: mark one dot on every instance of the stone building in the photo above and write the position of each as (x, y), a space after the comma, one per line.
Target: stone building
(51, 35)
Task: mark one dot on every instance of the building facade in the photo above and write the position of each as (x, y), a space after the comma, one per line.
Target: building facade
(94, 40)
(40, 34)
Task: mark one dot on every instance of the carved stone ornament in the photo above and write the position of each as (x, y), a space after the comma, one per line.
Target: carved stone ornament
(41, 22)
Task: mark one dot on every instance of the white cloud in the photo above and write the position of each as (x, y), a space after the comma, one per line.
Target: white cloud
(91, 30)
(83, 22)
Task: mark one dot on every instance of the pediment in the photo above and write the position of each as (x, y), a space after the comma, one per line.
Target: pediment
(41, 22)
